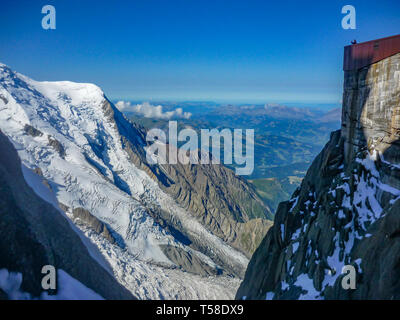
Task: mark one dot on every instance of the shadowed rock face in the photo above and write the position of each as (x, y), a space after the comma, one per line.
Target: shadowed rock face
(32, 131)
(91, 221)
(223, 202)
(189, 262)
(57, 146)
(35, 234)
(347, 210)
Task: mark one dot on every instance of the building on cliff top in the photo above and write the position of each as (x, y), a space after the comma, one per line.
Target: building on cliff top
(363, 54)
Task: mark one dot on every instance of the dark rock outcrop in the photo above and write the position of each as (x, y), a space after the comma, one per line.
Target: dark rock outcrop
(32, 131)
(4, 99)
(188, 262)
(57, 146)
(92, 222)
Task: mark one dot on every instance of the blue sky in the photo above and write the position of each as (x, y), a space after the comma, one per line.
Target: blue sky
(236, 51)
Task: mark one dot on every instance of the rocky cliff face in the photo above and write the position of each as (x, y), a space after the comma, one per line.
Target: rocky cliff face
(347, 210)
(222, 201)
(371, 108)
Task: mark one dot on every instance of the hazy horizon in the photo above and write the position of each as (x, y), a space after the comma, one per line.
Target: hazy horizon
(240, 51)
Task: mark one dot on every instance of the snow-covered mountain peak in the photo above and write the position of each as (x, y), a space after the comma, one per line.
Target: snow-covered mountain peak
(83, 147)
(56, 91)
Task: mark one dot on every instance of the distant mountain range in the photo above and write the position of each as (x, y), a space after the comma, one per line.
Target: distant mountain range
(287, 138)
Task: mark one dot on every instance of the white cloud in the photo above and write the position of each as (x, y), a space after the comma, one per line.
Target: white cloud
(149, 111)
